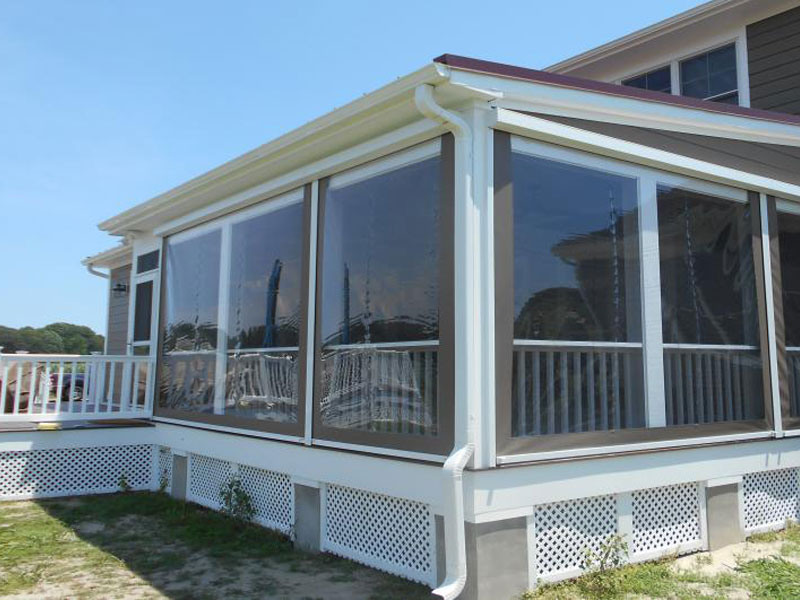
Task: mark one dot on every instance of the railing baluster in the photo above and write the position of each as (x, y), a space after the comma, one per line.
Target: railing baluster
(551, 393)
(615, 387)
(728, 389)
(591, 391)
(709, 374)
(698, 390)
(628, 390)
(59, 386)
(522, 421)
(669, 386)
(537, 393)
(689, 371)
(720, 391)
(576, 366)
(110, 389)
(32, 391)
(44, 387)
(679, 389)
(564, 391)
(603, 391)
(18, 387)
(4, 388)
(737, 389)
(135, 390)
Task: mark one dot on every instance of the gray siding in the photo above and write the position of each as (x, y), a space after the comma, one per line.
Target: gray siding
(773, 47)
(117, 332)
(768, 160)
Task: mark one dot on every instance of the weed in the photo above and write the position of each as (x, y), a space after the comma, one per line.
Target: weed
(236, 502)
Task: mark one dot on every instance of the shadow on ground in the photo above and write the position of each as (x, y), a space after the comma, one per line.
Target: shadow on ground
(147, 545)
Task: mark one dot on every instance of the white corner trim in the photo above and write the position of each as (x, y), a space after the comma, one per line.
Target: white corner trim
(542, 129)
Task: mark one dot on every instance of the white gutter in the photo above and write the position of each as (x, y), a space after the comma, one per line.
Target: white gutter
(454, 534)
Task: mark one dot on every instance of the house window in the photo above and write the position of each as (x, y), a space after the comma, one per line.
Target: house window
(264, 316)
(577, 359)
(189, 334)
(789, 239)
(658, 80)
(384, 241)
(712, 360)
(711, 76)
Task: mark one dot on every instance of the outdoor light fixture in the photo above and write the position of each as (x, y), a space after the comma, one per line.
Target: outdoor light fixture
(119, 289)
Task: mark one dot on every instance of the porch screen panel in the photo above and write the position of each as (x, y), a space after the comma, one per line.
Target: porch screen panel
(577, 359)
(264, 316)
(712, 360)
(789, 239)
(189, 335)
(379, 326)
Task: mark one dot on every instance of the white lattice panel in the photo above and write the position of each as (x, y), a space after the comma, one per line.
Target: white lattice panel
(207, 476)
(770, 498)
(561, 532)
(667, 520)
(164, 466)
(273, 496)
(391, 534)
(73, 471)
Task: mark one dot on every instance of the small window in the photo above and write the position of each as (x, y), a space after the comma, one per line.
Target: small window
(659, 80)
(143, 311)
(711, 76)
(147, 262)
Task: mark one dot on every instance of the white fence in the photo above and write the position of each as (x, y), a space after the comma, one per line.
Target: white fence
(53, 387)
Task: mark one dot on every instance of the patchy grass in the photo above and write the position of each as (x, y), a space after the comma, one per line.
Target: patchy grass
(772, 577)
(147, 545)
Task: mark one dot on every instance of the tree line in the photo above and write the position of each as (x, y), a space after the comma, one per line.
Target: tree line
(56, 338)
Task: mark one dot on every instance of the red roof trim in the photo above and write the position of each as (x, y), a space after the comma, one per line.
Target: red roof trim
(545, 77)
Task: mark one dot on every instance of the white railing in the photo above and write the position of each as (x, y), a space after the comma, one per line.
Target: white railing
(60, 387)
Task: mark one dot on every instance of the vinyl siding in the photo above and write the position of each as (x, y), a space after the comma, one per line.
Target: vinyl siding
(773, 47)
(117, 336)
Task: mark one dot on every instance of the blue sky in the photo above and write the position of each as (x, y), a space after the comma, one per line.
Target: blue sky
(106, 104)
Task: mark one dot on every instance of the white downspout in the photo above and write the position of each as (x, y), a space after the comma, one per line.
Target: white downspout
(94, 271)
(454, 534)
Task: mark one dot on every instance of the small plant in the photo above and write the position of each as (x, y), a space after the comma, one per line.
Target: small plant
(163, 482)
(236, 502)
(611, 554)
(601, 580)
(124, 486)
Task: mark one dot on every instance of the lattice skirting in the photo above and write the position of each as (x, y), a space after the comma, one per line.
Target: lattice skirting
(770, 499)
(49, 473)
(652, 522)
(391, 534)
(272, 493)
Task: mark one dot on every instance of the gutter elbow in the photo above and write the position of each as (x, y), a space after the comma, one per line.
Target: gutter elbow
(95, 272)
(427, 105)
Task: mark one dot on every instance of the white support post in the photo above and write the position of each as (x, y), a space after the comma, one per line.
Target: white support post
(652, 334)
(625, 518)
(771, 335)
(312, 315)
(221, 366)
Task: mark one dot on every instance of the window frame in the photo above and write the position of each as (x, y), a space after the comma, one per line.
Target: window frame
(714, 97)
(444, 147)
(738, 38)
(510, 449)
(289, 431)
(775, 206)
(668, 65)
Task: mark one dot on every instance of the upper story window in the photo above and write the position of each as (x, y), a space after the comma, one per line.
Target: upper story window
(658, 80)
(711, 76)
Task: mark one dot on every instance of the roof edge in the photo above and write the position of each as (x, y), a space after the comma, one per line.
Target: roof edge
(570, 81)
(640, 36)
